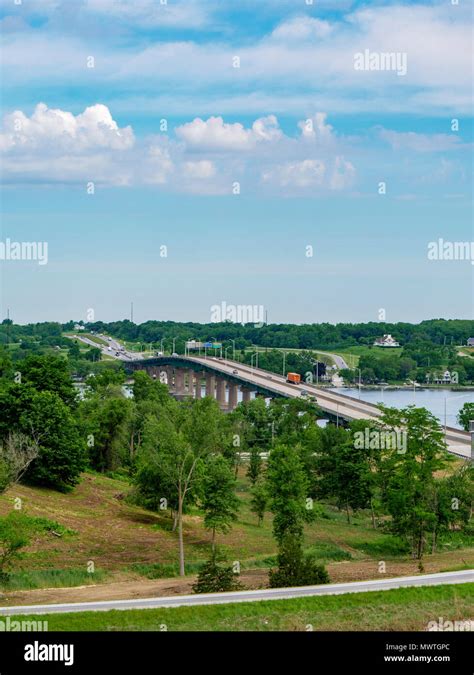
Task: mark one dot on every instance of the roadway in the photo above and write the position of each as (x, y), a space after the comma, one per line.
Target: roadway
(335, 404)
(462, 577)
(338, 405)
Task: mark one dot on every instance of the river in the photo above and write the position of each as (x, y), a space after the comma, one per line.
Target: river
(441, 402)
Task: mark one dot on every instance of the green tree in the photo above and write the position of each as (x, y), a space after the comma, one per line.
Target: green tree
(259, 501)
(294, 569)
(255, 464)
(216, 578)
(14, 536)
(343, 470)
(219, 501)
(288, 490)
(49, 373)
(62, 452)
(407, 478)
(184, 435)
(466, 415)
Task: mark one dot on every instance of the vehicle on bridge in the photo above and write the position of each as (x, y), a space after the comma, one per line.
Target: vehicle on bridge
(293, 378)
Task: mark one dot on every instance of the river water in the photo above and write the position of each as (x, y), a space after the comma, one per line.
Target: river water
(441, 402)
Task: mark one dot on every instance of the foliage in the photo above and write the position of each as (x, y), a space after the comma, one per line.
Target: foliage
(216, 578)
(294, 569)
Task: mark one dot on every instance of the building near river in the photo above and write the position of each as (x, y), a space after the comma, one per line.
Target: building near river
(386, 341)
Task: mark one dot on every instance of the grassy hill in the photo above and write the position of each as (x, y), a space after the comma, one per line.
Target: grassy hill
(95, 522)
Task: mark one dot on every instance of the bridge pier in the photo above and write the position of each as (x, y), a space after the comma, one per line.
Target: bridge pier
(246, 394)
(191, 383)
(220, 392)
(179, 382)
(210, 384)
(233, 395)
(198, 385)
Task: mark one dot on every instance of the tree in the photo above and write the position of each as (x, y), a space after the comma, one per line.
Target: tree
(259, 501)
(294, 569)
(219, 502)
(62, 453)
(465, 415)
(407, 479)
(13, 537)
(255, 464)
(288, 490)
(17, 451)
(215, 578)
(343, 470)
(49, 373)
(184, 435)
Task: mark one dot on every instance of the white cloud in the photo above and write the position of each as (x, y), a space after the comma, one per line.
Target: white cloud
(199, 170)
(152, 13)
(57, 131)
(302, 28)
(409, 140)
(304, 174)
(316, 128)
(343, 174)
(215, 134)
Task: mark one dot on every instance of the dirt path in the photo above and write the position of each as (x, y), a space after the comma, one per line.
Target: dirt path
(251, 579)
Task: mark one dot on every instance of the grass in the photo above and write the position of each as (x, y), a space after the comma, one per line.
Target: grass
(97, 522)
(53, 578)
(407, 609)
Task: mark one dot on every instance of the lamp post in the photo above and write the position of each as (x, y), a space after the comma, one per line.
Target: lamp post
(359, 381)
(233, 350)
(256, 360)
(225, 352)
(284, 362)
(174, 345)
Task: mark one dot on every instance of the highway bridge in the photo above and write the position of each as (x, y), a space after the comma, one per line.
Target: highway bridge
(224, 378)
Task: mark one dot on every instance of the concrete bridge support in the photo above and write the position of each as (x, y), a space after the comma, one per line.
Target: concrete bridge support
(233, 395)
(198, 385)
(210, 384)
(246, 394)
(220, 392)
(191, 383)
(179, 382)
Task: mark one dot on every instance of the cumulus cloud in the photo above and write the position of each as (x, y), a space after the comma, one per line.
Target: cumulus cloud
(315, 128)
(57, 131)
(217, 135)
(307, 173)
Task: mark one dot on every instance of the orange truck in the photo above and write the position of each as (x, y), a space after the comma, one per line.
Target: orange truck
(293, 378)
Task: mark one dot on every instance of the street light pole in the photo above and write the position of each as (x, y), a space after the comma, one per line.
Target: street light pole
(359, 382)
(284, 360)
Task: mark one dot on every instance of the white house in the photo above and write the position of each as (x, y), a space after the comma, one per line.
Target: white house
(470, 342)
(386, 341)
(444, 378)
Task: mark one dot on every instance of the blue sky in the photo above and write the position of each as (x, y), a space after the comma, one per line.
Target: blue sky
(170, 109)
